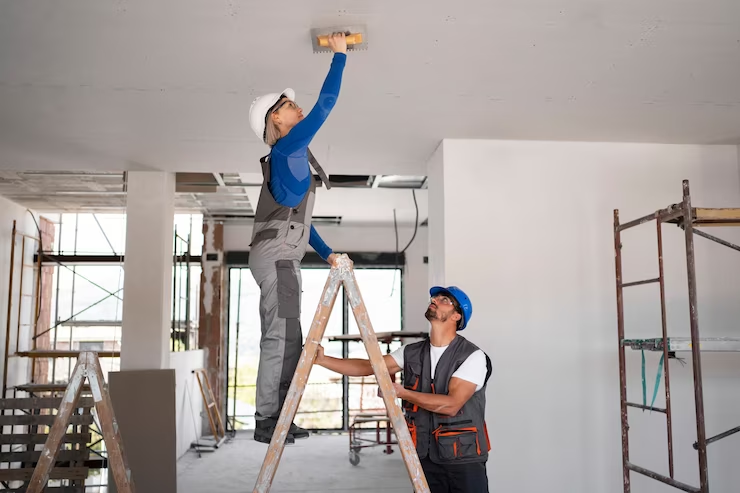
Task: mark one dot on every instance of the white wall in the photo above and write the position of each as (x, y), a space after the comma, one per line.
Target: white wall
(188, 399)
(18, 368)
(528, 233)
(368, 239)
(436, 209)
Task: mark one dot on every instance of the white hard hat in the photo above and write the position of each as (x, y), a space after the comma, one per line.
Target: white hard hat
(260, 107)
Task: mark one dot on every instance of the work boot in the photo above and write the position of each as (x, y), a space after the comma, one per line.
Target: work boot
(298, 432)
(264, 429)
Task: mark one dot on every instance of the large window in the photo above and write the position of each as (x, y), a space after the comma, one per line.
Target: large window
(87, 285)
(325, 401)
(83, 278)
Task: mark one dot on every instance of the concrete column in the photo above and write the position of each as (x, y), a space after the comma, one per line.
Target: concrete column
(150, 203)
(212, 331)
(143, 392)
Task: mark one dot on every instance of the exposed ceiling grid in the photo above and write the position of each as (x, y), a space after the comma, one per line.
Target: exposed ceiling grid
(79, 92)
(362, 199)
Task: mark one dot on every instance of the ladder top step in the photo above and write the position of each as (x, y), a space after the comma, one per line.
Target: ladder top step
(382, 336)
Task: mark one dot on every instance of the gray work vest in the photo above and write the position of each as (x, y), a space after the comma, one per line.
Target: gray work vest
(444, 439)
(282, 232)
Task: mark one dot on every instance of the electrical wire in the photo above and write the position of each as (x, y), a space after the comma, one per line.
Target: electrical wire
(395, 229)
(416, 224)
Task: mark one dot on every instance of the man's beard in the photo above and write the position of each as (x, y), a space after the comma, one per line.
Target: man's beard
(434, 315)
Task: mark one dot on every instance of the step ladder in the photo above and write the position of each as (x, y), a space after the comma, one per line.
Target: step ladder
(340, 274)
(87, 367)
(211, 406)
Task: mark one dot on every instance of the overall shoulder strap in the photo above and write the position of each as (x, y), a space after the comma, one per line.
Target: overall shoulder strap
(265, 164)
(318, 168)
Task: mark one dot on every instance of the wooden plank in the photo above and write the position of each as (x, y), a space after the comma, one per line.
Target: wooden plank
(41, 403)
(26, 474)
(47, 387)
(59, 353)
(34, 455)
(53, 489)
(42, 420)
(40, 438)
(717, 217)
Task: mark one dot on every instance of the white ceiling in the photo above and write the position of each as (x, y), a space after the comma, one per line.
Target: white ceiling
(166, 84)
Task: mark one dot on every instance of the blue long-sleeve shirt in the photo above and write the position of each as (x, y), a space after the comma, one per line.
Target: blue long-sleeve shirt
(290, 174)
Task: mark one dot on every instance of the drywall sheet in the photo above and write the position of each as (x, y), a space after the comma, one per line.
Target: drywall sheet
(144, 403)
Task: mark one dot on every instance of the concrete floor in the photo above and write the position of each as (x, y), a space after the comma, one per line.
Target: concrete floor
(319, 463)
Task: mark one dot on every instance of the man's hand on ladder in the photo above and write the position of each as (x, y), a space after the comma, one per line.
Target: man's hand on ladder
(319, 355)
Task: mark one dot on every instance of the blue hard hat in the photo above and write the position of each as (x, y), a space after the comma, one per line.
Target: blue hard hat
(462, 299)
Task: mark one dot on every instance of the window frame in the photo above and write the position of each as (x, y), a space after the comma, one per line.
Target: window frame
(234, 260)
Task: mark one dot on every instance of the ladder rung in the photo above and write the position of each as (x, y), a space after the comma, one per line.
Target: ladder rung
(638, 283)
(647, 408)
(32, 266)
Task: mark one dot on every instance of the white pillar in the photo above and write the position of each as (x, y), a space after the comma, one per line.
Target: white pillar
(147, 305)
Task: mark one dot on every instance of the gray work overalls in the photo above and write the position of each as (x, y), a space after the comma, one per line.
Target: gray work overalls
(279, 241)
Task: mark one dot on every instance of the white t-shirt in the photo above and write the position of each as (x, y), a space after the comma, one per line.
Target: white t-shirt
(473, 369)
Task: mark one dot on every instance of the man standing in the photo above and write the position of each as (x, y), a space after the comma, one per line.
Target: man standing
(444, 394)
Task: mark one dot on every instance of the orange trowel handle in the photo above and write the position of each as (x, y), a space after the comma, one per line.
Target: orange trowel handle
(352, 39)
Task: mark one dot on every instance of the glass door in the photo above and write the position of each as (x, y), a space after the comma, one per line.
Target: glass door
(322, 403)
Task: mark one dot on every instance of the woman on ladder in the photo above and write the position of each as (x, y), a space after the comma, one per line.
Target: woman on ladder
(282, 230)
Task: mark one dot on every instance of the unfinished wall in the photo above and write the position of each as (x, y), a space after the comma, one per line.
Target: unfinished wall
(369, 239)
(528, 233)
(211, 333)
(18, 368)
(188, 399)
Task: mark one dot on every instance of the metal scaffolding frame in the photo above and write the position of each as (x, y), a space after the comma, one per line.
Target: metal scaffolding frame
(183, 329)
(23, 246)
(687, 218)
(15, 300)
